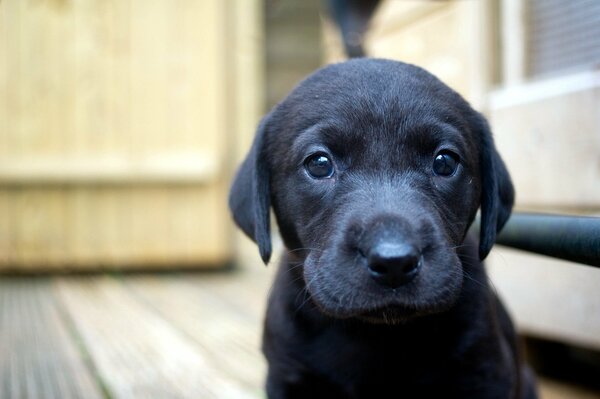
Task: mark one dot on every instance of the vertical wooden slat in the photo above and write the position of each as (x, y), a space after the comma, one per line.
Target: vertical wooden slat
(183, 227)
(513, 40)
(4, 98)
(248, 72)
(409, 31)
(41, 240)
(5, 228)
(81, 238)
(484, 58)
(12, 76)
(150, 201)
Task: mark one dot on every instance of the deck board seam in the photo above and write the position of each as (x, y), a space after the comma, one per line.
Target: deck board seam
(201, 346)
(80, 345)
(174, 325)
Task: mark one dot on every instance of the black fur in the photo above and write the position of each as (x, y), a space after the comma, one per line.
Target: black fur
(332, 329)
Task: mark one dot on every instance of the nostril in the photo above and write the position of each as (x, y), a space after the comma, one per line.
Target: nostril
(411, 264)
(378, 268)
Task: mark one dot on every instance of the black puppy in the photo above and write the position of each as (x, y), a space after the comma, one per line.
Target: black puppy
(375, 170)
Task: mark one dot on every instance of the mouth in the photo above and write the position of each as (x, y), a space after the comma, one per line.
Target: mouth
(399, 314)
(391, 315)
(381, 310)
(373, 310)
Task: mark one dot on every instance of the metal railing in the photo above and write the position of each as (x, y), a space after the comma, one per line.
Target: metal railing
(573, 238)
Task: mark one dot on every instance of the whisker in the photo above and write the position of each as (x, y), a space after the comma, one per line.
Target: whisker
(304, 249)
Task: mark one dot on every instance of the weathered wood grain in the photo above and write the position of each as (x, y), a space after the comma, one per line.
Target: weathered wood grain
(219, 313)
(143, 336)
(119, 121)
(39, 356)
(137, 352)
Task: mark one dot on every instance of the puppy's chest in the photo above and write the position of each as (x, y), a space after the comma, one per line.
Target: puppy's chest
(363, 368)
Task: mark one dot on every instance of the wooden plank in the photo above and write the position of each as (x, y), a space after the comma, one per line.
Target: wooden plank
(246, 290)
(552, 389)
(248, 66)
(100, 227)
(100, 53)
(6, 228)
(549, 298)
(439, 40)
(39, 356)
(228, 332)
(137, 353)
(40, 241)
(5, 104)
(175, 168)
(514, 41)
(556, 124)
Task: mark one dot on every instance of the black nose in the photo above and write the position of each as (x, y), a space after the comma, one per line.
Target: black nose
(393, 264)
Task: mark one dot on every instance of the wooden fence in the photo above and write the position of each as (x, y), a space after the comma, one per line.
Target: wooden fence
(119, 123)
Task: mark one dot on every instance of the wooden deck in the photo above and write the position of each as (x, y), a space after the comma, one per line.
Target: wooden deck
(180, 335)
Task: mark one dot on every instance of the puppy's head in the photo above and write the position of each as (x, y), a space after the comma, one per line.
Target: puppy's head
(375, 170)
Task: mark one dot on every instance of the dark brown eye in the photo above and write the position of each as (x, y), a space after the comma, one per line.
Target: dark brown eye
(445, 163)
(319, 166)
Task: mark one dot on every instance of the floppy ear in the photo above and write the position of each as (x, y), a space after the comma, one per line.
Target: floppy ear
(249, 197)
(497, 193)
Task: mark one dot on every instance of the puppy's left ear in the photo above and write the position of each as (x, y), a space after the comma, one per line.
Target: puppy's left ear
(250, 197)
(497, 192)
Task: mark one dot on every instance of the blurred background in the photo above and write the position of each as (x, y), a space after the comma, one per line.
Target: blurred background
(123, 121)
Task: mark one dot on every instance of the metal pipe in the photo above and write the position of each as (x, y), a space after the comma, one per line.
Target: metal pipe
(573, 238)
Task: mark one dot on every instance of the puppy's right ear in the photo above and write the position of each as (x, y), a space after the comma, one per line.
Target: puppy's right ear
(250, 197)
(498, 194)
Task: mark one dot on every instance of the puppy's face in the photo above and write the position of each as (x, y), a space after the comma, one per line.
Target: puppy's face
(373, 169)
